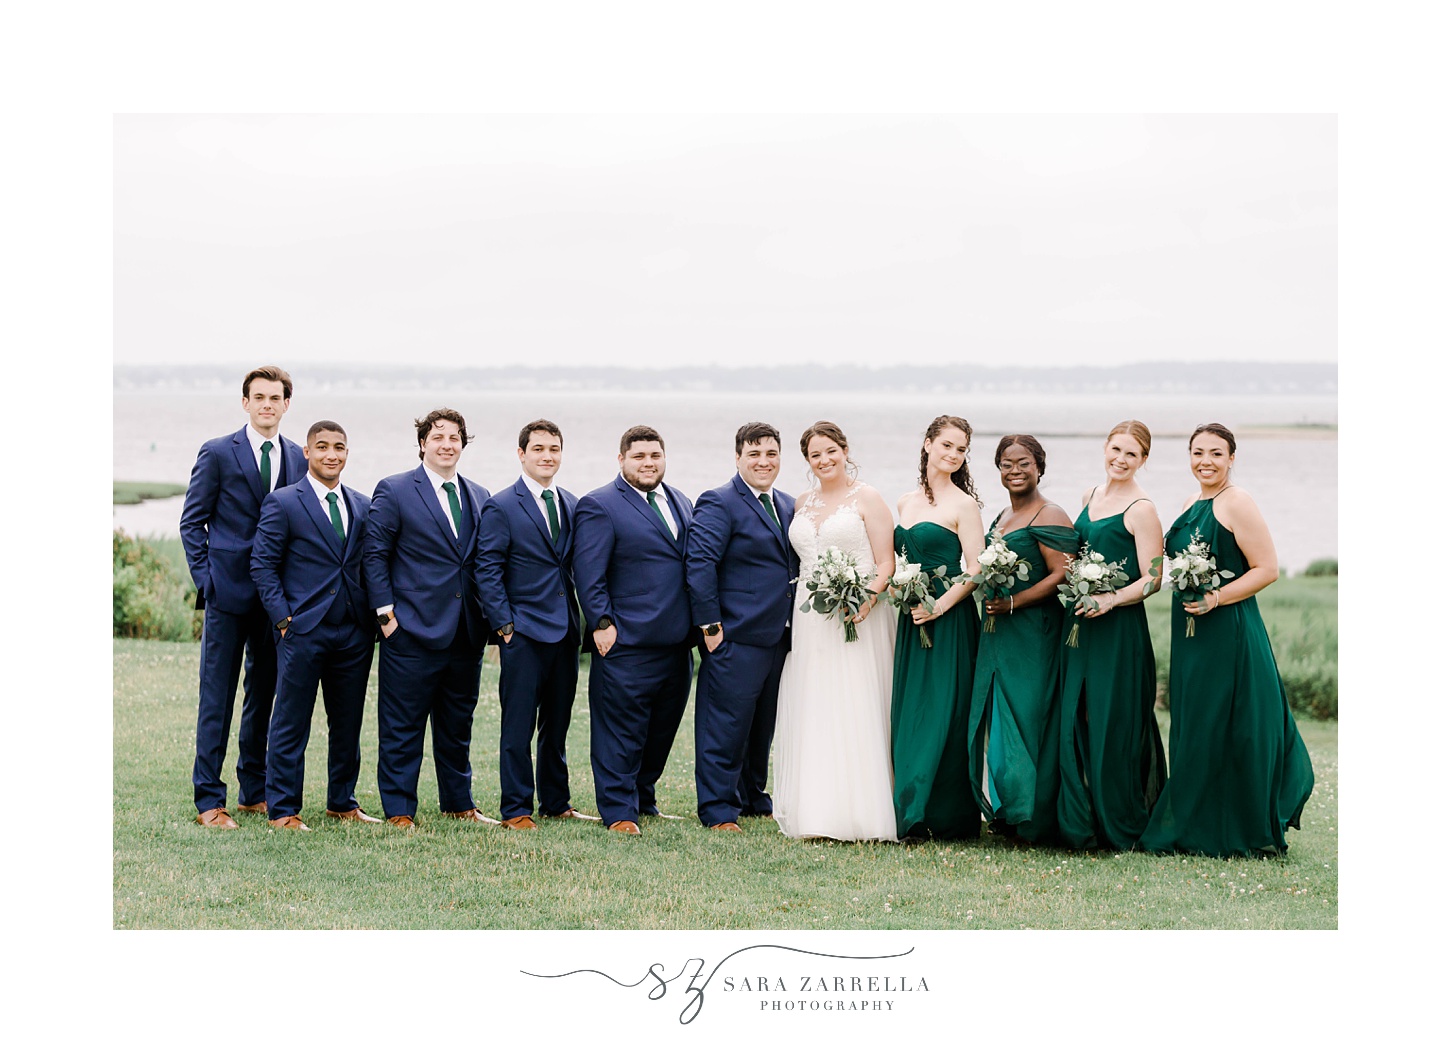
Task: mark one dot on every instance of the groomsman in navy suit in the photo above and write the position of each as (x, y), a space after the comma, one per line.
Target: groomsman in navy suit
(629, 562)
(527, 593)
(418, 567)
(740, 566)
(231, 477)
(307, 564)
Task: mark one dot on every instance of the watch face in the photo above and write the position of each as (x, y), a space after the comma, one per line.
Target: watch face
(712, 630)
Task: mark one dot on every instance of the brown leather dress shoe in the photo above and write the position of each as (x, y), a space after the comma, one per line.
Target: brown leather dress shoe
(574, 813)
(216, 818)
(355, 815)
(259, 808)
(727, 827)
(625, 827)
(289, 822)
(519, 822)
(401, 821)
(473, 815)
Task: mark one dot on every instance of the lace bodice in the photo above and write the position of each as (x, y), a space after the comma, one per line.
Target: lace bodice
(813, 529)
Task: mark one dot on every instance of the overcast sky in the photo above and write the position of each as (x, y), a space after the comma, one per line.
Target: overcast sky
(668, 240)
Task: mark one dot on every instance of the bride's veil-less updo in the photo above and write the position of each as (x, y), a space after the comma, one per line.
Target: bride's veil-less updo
(827, 429)
(960, 477)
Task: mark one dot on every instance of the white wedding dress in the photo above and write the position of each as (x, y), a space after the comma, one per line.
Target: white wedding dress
(833, 724)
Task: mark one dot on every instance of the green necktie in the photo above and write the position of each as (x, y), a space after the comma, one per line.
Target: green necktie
(266, 468)
(454, 508)
(336, 515)
(650, 496)
(765, 498)
(553, 515)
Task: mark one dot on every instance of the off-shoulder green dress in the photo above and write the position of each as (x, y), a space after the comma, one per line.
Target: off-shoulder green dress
(931, 691)
(1110, 756)
(1014, 710)
(1239, 774)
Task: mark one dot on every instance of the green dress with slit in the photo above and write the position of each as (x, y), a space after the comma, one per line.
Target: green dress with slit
(1239, 774)
(1014, 745)
(931, 690)
(1111, 760)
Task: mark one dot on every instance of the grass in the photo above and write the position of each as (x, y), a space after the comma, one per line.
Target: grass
(171, 873)
(135, 492)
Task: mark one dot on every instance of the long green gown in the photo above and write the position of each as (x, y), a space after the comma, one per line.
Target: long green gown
(931, 689)
(1111, 760)
(1015, 699)
(1239, 773)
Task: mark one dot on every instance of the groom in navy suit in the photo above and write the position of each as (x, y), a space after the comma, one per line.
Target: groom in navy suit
(740, 567)
(232, 476)
(418, 566)
(307, 564)
(526, 591)
(629, 562)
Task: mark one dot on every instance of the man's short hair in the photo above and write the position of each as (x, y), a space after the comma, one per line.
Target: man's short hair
(325, 425)
(425, 425)
(539, 425)
(268, 373)
(640, 433)
(754, 432)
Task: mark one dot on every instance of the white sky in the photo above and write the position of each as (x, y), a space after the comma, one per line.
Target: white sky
(677, 239)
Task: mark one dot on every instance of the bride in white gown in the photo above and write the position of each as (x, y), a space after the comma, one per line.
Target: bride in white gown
(833, 744)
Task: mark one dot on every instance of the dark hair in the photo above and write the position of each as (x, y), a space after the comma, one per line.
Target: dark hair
(539, 425)
(960, 477)
(754, 432)
(1028, 442)
(425, 425)
(639, 433)
(826, 429)
(326, 425)
(1135, 429)
(1214, 429)
(268, 373)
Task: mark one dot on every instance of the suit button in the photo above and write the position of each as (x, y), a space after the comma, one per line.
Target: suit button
(457, 594)
(333, 591)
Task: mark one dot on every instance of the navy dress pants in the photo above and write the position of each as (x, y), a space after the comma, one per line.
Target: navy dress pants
(234, 644)
(338, 656)
(536, 693)
(735, 718)
(416, 686)
(637, 697)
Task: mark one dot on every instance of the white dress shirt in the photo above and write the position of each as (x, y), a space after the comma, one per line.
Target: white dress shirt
(664, 503)
(274, 456)
(322, 495)
(538, 491)
(442, 494)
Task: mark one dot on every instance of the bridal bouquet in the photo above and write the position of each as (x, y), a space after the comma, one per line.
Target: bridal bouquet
(1089, 574)
(911, 586)
(1193, 573)
(838, 587)
(1001, 569)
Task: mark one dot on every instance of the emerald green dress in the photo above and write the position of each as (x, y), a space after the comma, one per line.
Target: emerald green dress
(1015, 700)
(1111, 760)
(931, 690)
(1239, 773)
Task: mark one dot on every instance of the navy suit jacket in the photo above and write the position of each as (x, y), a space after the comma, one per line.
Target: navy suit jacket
(219, 517)
(739, 564)
(522, 576)
(412, 560)
(629, 567)
(300, 565)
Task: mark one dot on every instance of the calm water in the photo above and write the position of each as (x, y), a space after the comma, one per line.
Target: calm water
(1293, 479)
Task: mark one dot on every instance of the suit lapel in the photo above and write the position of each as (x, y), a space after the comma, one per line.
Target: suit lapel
(469, 507)
(566, 525)
(530, 507)
(315, 510)
(430, 503)
(242, 450)
(754, 498)
(639, 503)
(355, 514)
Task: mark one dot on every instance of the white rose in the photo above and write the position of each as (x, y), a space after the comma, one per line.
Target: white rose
(1091, 572)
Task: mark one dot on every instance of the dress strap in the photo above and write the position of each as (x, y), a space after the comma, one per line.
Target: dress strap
(1039, 511)
(1126, 509)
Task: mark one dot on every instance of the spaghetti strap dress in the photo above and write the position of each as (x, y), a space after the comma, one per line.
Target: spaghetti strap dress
(1239, 773)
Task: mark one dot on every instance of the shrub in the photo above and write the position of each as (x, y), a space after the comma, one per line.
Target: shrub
(1322, 567)
(148, 597)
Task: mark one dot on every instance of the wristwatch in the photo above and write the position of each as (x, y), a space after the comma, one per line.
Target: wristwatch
(506, 630)
(285, 623)
(711, 630)
(605, 623)
(383, 618)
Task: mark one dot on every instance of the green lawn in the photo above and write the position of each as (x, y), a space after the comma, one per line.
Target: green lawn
(135, 492)
(171, 873)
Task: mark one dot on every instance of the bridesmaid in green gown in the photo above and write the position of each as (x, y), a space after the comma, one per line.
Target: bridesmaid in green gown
(1239, 774)
(1110, 757)
(932, 687)
(1015, 693)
